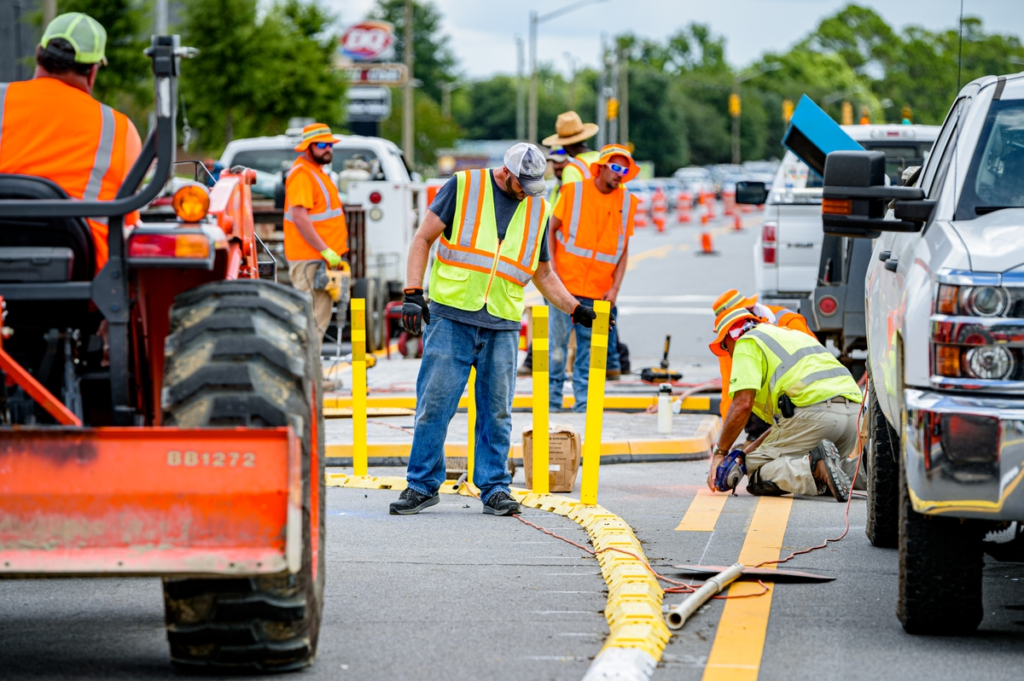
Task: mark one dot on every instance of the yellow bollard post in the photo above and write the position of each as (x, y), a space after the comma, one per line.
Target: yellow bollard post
(540, 400)
(595, 402)
(358, 323)
(471, 417)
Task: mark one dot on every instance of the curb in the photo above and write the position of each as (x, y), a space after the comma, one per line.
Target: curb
(696, 404)
(638, 633)
(606, 460)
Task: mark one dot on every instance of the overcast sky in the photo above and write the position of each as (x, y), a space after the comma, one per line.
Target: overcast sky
(483, 31)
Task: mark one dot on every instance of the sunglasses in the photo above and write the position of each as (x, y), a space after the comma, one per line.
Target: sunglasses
(323, 145)
(618, 170)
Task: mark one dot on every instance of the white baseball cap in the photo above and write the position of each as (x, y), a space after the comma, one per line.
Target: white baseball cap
(528, 164)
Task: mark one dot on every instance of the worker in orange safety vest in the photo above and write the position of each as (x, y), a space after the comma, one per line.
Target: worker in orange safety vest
(772, 314)
(52, 127)
(590, 230)
(315, 234)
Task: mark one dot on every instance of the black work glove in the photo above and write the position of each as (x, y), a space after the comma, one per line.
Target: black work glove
(585, 316)
(414, 311)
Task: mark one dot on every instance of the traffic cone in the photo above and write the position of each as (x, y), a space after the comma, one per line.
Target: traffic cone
(710, 203)
(729, 202)
(640, 219)
(706, 247)
(737, 223)
(684, 207)
(659, 210)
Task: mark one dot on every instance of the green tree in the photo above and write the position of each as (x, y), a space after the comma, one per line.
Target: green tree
(433, 60)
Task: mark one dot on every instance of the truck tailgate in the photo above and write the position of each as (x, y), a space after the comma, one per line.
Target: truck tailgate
(799, 236)
(149, 501)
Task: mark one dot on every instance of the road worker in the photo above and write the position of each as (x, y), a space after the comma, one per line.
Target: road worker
(570, 134)
(771, 314)
(590, 231)
(492, 228)
(789, 379)
(315, 234)
(52, 127)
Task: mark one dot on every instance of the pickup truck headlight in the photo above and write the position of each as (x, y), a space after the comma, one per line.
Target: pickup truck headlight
(984, 301)
(989, 362)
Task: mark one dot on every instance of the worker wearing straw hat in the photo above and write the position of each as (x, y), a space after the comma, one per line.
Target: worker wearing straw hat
(787, 378)
(571, 134)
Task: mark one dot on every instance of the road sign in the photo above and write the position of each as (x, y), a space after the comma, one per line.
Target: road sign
(368, 41)
(378, 75)
(368, 105)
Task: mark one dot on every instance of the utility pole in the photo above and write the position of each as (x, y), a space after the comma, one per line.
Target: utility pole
(623, 100)
(161, 17)
(520, 91)
(602, 95)
(612, 60)
(408, 146)
(49, 12)
(735, 105)
(572, 80)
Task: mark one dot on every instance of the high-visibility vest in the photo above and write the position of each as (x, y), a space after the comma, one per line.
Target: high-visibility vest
(473, 268)
(578, 167)
(586, 254)
(327, 215)
(556, 192)
(784, 318)
(798, 366)
(54, 130)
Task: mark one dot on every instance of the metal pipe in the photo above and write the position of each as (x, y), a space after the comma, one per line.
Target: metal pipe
(677, 616)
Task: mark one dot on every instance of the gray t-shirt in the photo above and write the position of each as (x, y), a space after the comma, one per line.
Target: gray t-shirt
(505, 207)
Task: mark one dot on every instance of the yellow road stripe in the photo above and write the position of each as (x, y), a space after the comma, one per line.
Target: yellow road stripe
(703, 512)
(739, 643)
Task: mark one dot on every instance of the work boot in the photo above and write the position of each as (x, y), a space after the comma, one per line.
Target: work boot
(827, 473)
(502, 503)
(411, 502)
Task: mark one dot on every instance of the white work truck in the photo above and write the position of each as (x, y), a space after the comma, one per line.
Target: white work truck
(944, 307)
(372, 176)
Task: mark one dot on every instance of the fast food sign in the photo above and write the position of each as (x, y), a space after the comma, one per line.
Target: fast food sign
(368, 41)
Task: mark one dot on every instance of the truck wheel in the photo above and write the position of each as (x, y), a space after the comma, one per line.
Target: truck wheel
(883, 512)
(244, 353)
(367, 289)
(940, 572)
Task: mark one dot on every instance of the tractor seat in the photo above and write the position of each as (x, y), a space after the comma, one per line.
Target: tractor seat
(38, 249)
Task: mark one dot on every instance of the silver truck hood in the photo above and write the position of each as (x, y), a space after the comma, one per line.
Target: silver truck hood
(995, 242)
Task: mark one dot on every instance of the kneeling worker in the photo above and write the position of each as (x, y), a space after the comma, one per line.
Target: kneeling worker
(492, 228)
(787, 377)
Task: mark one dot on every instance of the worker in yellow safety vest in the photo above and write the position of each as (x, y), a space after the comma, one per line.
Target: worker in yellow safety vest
(491, 224)
(315, 234)
(790, 379)
(559, 160)
(772, 314)
(571, 134)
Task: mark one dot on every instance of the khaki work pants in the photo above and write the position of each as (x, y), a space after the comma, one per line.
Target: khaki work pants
(782, 459)
(303, 274)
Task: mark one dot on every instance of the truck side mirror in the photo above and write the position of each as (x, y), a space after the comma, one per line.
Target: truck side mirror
(751, 193)
(855, 197)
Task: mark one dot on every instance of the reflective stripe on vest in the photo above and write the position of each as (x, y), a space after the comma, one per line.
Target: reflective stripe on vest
(574, 222)
(581, 166)
(327, 214)
(104, 150)
(471, 216)
(788, 360)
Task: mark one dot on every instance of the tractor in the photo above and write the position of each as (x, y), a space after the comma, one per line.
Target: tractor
(163, 416)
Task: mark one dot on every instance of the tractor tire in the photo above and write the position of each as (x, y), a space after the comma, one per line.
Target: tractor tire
(883, 454)
(244, 354)
(940, 563)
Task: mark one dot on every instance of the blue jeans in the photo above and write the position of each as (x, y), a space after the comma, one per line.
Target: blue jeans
(450, 348)
(560, 326)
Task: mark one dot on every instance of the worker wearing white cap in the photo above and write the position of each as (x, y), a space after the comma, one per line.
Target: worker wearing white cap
(492, 226)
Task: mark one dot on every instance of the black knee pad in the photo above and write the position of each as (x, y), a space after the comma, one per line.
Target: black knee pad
(762, 488)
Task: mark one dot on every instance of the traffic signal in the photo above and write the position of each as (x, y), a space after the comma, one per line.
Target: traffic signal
(787, 110)
(734, 105)
(613, 108)
(847, 114)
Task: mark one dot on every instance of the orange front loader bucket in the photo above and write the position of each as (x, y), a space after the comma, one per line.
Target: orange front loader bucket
(149, 501)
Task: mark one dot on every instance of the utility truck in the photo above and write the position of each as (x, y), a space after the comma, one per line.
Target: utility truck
(944, 309)
(163, 417)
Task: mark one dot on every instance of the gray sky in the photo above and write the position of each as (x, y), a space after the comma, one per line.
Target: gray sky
(483, 31)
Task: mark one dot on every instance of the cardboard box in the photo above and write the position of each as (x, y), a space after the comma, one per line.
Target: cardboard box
(564, 453)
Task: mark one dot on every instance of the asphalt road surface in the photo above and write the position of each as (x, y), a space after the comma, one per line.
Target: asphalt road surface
(455, 594)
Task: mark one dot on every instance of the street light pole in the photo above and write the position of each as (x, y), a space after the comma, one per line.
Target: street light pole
(534, 20)
(734, 105)
(408, 145)
(520, 92)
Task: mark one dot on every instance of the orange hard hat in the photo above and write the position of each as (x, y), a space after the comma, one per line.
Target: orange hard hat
(730, 299)
(315, 132)
(725, 322)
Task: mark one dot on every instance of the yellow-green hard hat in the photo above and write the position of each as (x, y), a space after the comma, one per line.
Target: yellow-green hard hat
(85, 34)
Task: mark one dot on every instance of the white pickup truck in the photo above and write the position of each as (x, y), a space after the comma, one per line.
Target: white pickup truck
(788, 260)
(945, 325)
(391, 201)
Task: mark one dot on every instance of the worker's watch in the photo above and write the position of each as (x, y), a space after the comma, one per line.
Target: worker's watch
(717, 451)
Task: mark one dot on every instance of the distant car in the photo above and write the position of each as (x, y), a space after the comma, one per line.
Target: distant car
(721, 173)
(695, 180)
